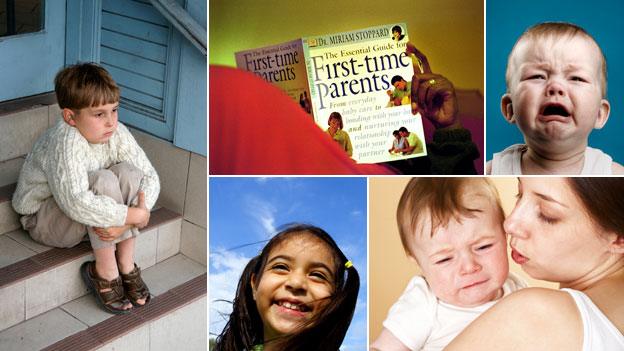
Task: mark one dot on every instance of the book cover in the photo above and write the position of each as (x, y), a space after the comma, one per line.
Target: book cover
(365, 75)
(282, 65)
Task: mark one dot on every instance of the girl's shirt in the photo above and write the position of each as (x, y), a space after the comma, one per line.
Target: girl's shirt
(399, 144)
(342, 138)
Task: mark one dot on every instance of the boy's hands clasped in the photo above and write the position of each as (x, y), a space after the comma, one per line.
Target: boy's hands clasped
(138, 217)
(143, 212)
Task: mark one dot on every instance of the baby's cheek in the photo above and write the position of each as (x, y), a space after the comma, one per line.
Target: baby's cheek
(441, 287)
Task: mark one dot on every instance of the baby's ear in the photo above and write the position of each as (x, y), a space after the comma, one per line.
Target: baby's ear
(412, 259)
(68, 116)
(603, 114)
(507, 108)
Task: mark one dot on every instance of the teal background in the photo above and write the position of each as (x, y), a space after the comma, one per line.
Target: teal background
(507, 20)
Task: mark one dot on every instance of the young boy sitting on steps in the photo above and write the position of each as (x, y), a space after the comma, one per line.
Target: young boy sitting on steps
(88, 175)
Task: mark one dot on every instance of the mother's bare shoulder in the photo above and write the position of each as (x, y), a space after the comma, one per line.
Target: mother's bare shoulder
(528, 319)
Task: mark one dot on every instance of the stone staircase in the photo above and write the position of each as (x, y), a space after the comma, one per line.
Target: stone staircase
(43, 302)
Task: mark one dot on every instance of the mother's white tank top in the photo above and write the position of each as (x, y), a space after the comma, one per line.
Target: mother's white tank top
(599, 334)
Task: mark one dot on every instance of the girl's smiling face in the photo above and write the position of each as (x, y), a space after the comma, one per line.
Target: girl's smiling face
(294, 285)
(334, 123)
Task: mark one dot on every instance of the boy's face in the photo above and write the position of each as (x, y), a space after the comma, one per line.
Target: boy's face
(465, 264)
(555, 91)
(401, 85)
(96, 124)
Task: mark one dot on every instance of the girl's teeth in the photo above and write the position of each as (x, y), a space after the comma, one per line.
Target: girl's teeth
(290, 306)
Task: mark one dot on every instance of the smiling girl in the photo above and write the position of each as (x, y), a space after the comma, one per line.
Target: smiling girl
(299, 293)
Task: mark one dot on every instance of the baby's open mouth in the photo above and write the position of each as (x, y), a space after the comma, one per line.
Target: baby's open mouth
(555, 109)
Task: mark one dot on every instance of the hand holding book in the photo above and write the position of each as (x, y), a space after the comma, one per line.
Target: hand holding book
(433, 95)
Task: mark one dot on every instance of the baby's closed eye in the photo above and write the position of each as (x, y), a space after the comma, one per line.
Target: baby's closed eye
(443, 260)
(536, 77)
(578, 79)
(484, 247)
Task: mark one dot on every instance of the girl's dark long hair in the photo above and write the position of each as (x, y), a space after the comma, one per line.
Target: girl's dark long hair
(324, 332)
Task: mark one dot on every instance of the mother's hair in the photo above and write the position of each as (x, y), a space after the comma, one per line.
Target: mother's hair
(603, 199)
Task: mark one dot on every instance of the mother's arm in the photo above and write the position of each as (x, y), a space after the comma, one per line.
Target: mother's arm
(529, 319)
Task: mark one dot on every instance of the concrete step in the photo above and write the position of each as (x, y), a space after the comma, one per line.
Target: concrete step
(20, 128)
(35, 279)
(22, 121)
(9, 170)
(175, 319)
(18, 132)
(9, 220)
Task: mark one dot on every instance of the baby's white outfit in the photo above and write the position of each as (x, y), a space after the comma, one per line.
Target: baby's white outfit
(507, 162)
(422, 322)
(599, 334)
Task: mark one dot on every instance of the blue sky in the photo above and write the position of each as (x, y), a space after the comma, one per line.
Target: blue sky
(247, 210)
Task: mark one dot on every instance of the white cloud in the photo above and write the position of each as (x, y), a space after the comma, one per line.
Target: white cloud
(356, 213)
(225, 271)
(264, 213)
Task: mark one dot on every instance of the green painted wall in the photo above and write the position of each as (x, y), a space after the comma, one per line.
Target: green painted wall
(449, 32)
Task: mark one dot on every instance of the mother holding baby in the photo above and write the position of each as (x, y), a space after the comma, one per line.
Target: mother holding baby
(569, 231)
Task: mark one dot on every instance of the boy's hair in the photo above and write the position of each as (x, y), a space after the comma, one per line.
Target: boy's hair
(558, 30)
(438, 200)
(84, 85)
(403, 129)
(325, 331)
(396, 79)
(337, 116)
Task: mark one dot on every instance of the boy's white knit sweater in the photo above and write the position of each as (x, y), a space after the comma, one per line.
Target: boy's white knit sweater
(58, 166)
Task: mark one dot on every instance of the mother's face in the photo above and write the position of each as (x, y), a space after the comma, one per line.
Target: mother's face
(552, 235)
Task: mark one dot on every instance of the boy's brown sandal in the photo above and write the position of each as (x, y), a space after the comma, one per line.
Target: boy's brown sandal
(113, 300)
(135, 287)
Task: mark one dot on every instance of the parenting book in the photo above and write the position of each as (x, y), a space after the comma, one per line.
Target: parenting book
(365, 75)
(282, 65)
